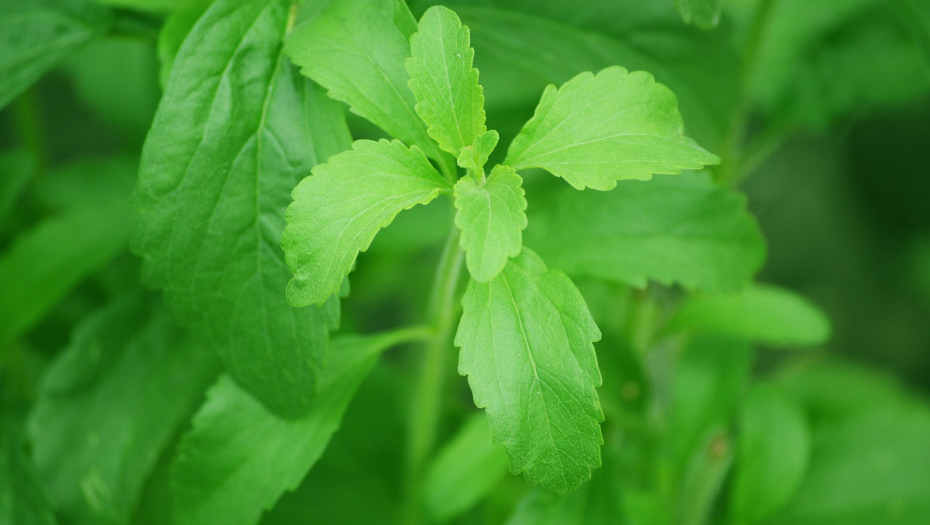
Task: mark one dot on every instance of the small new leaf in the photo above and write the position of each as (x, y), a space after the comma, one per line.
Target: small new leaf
(492, 217)
(526, 340)
(598, 129)
(449, 98)
(338, 210)
(474, 157)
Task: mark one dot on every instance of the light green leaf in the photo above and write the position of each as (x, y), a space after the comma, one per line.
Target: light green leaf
(526, 340)
(36, 34)
(449, 98)
(598, 129)
(475, 157)
(239, 458)
(236, 130)
(773, 448)
(338, 210)
(491, 215)
(355, 50)
(465, 471)
(109, 405)
(44, 263)
(672, 229)
(702, 13)
(758, 314)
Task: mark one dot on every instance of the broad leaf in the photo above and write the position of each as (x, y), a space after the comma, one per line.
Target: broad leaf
(671, 229)
(173, 32)
(110, 404)
(355, 49)
(702, 13)
(339, 209)
(759, 314)
(491, 215)
(239, 458)
(236, 130)
(598, 129)
(449, 98)
(526, 340)
(465, 471)
(773, 449)
(36, 34)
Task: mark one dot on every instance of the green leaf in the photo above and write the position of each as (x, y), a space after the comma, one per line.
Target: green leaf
(773, 448)
(239, 458)
(449, 98)
(672, 229)
(36, 34)
(16, 168)
(491, 215)
(702, 13)
(109, 405)
(236, 130)
(147, 5)
(758, 314)
(871, 469)
(173, 32)
(356, 51)
(526, 340)
(465, 471)
(475, 157)
(45, 262)
(338, 210)
(23, 500)
(598, 129)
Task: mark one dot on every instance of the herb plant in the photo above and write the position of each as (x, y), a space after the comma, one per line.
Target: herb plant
(230, 355)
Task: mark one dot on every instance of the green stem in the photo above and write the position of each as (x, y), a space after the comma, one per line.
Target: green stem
(407, 335)
(30, 126)
(731, 171)
(427, 396)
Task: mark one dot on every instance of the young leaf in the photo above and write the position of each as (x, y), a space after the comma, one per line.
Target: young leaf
(110, 404)
(526, 340)
(355, 50)
(672, 229)
(236, 130)
(773, 449)
(35, 35)
(464, 472)
(474, 157)
(702, 13)
(759, 314)
(492, 217)
(238, 458)
(338, 210)
(598, 129)
(449, 98)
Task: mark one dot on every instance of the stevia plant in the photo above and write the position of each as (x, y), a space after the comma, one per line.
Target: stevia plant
(597, 334)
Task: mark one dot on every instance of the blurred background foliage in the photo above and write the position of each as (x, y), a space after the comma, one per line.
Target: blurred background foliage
(821, 112)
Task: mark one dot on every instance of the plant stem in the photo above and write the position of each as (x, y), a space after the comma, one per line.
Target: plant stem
(731, 171)
(427, 396)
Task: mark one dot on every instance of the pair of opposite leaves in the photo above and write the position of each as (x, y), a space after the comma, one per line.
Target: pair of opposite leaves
(526, 335)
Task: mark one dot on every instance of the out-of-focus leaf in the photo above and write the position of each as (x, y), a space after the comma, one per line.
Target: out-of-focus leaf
(772, 452)
(43, 263)
(146, 5)
(758, 314)
(235, 131)
(16, 167)
(682, 229)
(239, 458)
(870, 469)
(23, 500)
(36, 34)
(465, 470)
(702, 13)
(110, 404)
